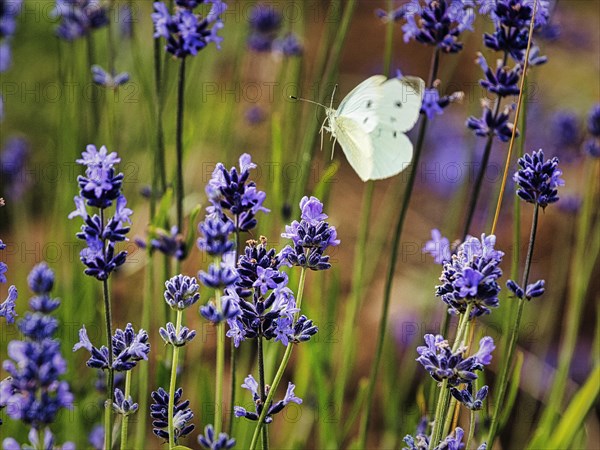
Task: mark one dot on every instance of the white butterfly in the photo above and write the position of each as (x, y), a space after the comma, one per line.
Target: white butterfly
(370, 124)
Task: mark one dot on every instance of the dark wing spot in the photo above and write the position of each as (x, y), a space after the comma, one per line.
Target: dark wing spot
(395, 134)
(399, 104)
(392, 119)
(366, 119)
(369, 103)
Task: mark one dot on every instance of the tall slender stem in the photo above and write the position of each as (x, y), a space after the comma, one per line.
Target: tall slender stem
(281, 369)
(471, 430)
(503, 379)
(172, 384)
(261, 382)
(125, 423)
(179, 144)
(159, 179)
(394, 259)
(110, 384)
(220, 368)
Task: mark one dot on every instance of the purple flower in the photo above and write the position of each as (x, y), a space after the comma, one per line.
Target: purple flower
(79, 17)
(512, 19)
(34, 394)
(230, 190)
(7, 307)
(171, 337)
(13, 162)
(128, 349)
(37, 440)
(593, 122)
(565, 129)
(438, 247)
(251, 385)
(229, 309)
(443, 363)
(503, 81)
(533, 290)
(310, 237)
(41, 279)
(186, 32)
(438, 23)
(210, 441)
(182, 415)
(181, 292)
(472, 400)
(170, 243)
(288, 45)
(216, 231)
(470, 277)
(112, 81)
(538, 179)
(123, 406)
(489, 124)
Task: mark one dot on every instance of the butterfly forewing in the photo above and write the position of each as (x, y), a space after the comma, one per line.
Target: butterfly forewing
(356, 144)
(362, 102)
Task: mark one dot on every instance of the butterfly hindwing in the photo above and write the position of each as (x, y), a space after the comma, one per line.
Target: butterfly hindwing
(394, 152)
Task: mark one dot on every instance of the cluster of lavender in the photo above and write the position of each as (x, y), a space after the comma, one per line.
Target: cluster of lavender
(469, 286)
(79, 17)
(512, 19)
(9, 10)
(100, 188)
(186, 32)
(265, 27)
(567, 133)
(34, 393)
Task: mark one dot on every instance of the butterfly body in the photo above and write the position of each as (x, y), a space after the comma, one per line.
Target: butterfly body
(370, 123)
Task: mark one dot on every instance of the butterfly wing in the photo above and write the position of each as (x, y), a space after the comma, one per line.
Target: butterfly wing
(360, 104)
(392, 152)
(356, 144)
(400, 103)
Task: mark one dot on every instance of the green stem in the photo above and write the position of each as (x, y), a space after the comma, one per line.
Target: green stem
(280, 370)
(125, 418)
(159, 179)
(503, 379)
(261, 381)
(394, 259)
(471, 430)
(172, 383)
(108, 423)
(179, 144)
(220, 368)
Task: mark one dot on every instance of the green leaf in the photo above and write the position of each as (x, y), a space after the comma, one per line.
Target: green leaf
(162, 213)
(574, 416)
(181, 447)
(191, 234)
(512, 390)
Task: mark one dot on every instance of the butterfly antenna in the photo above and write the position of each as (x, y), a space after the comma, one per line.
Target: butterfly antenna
(332, 95)
(293, 97)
